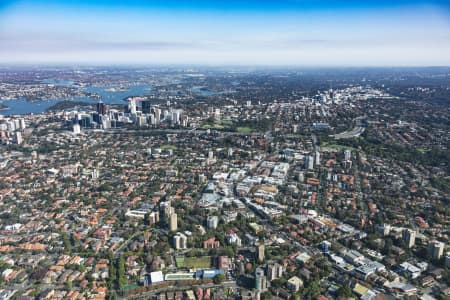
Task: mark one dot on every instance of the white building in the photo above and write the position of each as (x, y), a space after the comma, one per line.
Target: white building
(180, 241)
(212, 222)
(76, 129)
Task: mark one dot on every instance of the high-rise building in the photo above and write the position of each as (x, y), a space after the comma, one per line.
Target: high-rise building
(132, 106)
(384, 229)
(157, 115)
(309, 162)
(180, 241)
(141, 121)
(317, 158)
(274, 271)
(301, 176)
(409, 237)
(101, 108)
(176, 116)
(173, 222)
(153, 217)
(260, 280)
(435, 249)
(18, 138)
(166, 208)
(212, 222)
(260, 252)
(22, 124)
(447, 260)
(76, 128)
(347, 154)
(146, 106)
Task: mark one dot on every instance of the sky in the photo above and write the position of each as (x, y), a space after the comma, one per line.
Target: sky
(246, 32)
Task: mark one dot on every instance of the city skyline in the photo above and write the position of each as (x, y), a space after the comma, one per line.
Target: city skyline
(278, 33)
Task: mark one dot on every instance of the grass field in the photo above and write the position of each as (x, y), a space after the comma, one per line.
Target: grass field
(203, 262)
(179, 260)
(331, 147)
(167, 147)
(218, 124)
(245, 129)
(215, 126)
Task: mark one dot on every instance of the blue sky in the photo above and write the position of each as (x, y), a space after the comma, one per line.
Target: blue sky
(246, 32)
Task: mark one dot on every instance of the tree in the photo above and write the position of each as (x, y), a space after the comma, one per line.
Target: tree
(66, 243)
(121, 272)
(345, 292)
(112, 295)
(219, 279)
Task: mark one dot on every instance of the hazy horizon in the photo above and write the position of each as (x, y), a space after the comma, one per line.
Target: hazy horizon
(249, 33)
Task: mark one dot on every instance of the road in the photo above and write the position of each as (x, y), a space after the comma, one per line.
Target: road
(116, 252)
(148, 295)
(177, 131)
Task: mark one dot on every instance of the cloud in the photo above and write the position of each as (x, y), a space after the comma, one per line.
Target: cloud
(59, 42)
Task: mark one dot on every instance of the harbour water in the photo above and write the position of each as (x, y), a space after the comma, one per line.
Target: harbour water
(109, 95)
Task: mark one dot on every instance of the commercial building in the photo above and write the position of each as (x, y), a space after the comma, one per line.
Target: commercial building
(260, 280)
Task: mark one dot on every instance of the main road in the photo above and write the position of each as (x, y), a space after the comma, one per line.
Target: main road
(176, 131)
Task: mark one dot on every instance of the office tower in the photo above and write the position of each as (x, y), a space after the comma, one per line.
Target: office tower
(409, 237)
(141, 121)
(157, 115)
(101, 108)
(132, 106)
(435, 249)
(173, 222)
(106, 123)
(166, 114)
(146, 106)
(260, 280)
(447, 260)
(76, 128)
